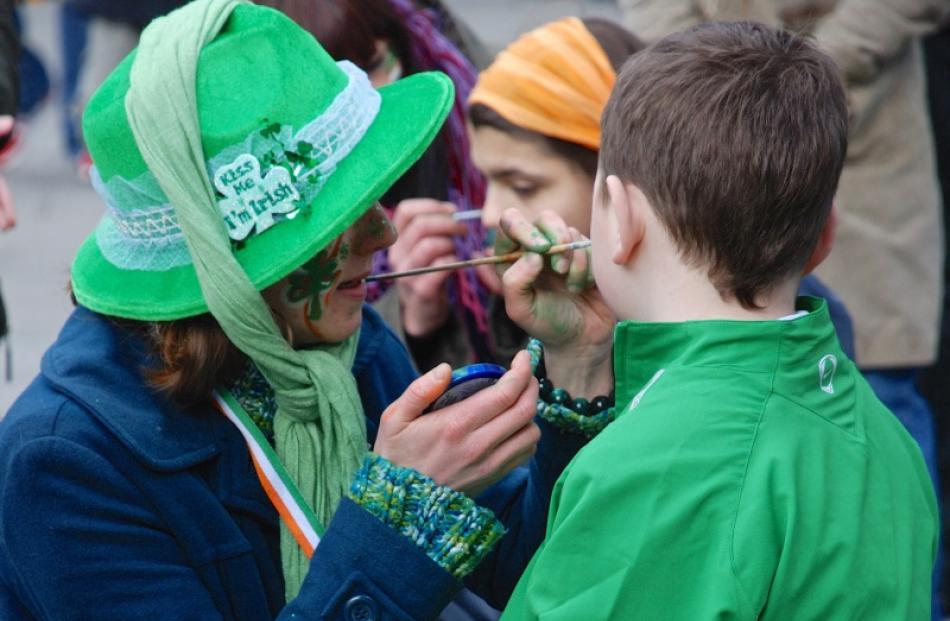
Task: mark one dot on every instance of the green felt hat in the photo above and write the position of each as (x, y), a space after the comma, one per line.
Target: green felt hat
(297, 147)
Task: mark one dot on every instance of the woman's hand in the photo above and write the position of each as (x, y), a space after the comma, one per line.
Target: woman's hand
(425, 229)
(469, 445)
(488, 276)
(553, 299)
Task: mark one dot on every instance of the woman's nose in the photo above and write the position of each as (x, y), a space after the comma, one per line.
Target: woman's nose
(491, 209)
(374, 231)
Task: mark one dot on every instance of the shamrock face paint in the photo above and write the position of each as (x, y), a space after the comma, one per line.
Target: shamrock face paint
(314, 279)
(322, 300)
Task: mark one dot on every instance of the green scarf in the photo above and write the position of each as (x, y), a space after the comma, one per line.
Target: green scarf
(319, 427)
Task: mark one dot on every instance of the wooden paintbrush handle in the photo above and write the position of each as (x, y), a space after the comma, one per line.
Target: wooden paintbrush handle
(503, 258)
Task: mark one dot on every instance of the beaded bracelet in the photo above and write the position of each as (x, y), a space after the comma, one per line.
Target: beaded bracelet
(556, 406)
(559, 396)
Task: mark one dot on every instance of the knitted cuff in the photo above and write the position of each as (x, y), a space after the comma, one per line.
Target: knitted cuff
(535, 351)
(449, 527)
(564, 418)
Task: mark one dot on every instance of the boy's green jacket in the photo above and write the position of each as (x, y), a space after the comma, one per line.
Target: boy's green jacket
(752, 475)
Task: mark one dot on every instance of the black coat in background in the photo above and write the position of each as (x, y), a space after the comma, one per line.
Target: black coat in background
(9, 55)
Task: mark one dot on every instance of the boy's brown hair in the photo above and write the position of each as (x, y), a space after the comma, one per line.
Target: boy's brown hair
(737, 134)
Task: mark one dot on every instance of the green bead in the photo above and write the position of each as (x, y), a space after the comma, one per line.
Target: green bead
(600, 404)
(581, 406)
(559, 396)
(545, 387)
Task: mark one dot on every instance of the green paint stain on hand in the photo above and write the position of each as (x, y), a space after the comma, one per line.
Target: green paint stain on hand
(538, 242)
(558, 318)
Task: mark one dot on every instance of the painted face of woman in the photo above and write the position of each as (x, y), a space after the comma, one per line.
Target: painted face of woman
(322, 300)
(528, 176)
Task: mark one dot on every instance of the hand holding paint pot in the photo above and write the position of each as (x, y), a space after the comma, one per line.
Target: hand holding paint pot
(467, 445)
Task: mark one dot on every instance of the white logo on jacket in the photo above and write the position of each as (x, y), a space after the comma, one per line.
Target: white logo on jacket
(826, 373)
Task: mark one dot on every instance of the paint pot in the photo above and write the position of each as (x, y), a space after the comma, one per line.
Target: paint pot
(466, 381)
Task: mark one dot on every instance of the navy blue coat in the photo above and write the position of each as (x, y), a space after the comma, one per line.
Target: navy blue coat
(116, 505)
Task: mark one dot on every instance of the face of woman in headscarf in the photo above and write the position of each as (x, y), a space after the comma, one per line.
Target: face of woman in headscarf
(322, 301)
(527, 175)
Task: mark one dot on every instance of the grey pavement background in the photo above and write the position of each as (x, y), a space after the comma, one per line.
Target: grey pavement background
(56, 210)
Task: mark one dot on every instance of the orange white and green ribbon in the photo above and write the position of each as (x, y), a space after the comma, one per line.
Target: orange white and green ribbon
(447, 525)
(279, 487)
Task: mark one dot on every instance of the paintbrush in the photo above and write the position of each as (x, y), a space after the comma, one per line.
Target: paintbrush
(511, 257)
(471, 214)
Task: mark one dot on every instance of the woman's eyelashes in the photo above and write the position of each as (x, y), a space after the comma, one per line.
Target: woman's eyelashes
(525, 190)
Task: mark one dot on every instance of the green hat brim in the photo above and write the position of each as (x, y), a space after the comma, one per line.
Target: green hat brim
(411, 114)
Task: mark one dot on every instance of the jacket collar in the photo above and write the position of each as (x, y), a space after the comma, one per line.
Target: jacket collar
(797, 354)
(99, 366)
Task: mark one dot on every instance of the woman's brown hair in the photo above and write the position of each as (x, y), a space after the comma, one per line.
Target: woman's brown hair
(191, 356)
(618, 44)
(195, 357)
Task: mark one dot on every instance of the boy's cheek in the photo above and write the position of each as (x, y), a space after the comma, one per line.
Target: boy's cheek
(600, 264)
(608, 278)
(599, 226)
(600, 249)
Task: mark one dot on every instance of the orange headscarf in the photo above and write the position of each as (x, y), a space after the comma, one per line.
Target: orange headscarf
(554, 81)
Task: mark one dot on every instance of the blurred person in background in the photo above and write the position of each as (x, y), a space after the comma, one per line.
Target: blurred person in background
(9, 98)
(34, 82)
(887, 264)
(95, 35)
(457, 31)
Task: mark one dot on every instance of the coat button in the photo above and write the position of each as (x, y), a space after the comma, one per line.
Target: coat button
(362, 608)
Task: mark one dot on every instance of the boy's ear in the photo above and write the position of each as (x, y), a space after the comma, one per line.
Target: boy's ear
(826, 240)
(623, 200)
